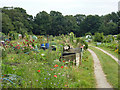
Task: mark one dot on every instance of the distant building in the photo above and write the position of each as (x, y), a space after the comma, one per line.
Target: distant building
(119, 6)
(88, 36)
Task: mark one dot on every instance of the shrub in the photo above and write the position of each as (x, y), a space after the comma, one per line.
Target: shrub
(98, 37)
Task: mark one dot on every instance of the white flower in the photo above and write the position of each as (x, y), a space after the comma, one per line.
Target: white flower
(42, 54)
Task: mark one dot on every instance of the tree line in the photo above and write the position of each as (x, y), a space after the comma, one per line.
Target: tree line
(54, 23)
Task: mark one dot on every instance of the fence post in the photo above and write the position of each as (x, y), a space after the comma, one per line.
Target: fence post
(77, 59)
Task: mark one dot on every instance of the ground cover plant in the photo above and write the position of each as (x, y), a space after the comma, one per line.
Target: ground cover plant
(24, 65)
(110, 67)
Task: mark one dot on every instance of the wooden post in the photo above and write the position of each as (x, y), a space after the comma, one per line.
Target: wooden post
(8, 35)
(77, 59)
(80, 57)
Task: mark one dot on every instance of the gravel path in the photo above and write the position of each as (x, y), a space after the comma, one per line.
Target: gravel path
(99, 74)
(116, 59)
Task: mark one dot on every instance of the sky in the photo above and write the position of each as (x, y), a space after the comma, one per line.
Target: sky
(66, 7)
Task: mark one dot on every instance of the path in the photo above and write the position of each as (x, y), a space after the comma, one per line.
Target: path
(99, 74)
(116, 59)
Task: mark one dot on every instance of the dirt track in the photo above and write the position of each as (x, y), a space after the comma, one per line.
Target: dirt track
(99, 74)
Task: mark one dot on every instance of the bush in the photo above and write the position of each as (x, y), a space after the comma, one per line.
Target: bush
(118, 37)
(98, 37)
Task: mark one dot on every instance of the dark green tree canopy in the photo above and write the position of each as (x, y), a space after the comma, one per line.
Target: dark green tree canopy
(54, 23)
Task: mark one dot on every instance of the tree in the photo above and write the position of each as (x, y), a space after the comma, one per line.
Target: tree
(43, 20)
(6, 24)
(90, 24)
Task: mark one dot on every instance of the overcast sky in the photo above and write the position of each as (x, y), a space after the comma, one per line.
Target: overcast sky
(66, 7)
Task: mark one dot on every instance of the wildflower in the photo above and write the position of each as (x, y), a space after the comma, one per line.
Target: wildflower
(55, 76)
(56, 65)
(37, 80)
(66, 67)
(51, 69)
(42, 54)
(18, 48)
(63, 75)
(45, 78)
(26, 40)
(38, 70)
(23, 43)
(61, 66)
(17, 45)
(63, 61)
(59, 73)
(65, 85)
(11, 44)
(26, 45)
(33, 40)
(32, 47)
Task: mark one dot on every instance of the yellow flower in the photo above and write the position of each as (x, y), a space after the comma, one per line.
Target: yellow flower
(66, 67)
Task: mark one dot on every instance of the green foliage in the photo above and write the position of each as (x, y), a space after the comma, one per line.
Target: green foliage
(118, 37)
(86, 45)
(71, 37)
(54, 23)
(98, 37)
(27, 66)
(108, 39)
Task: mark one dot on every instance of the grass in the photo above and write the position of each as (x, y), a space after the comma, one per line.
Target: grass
(84, 75)
(27, 66)
(109, 65)
(109, 50)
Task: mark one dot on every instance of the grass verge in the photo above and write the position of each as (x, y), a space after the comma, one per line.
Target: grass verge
(109, 65)
(109, 50)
